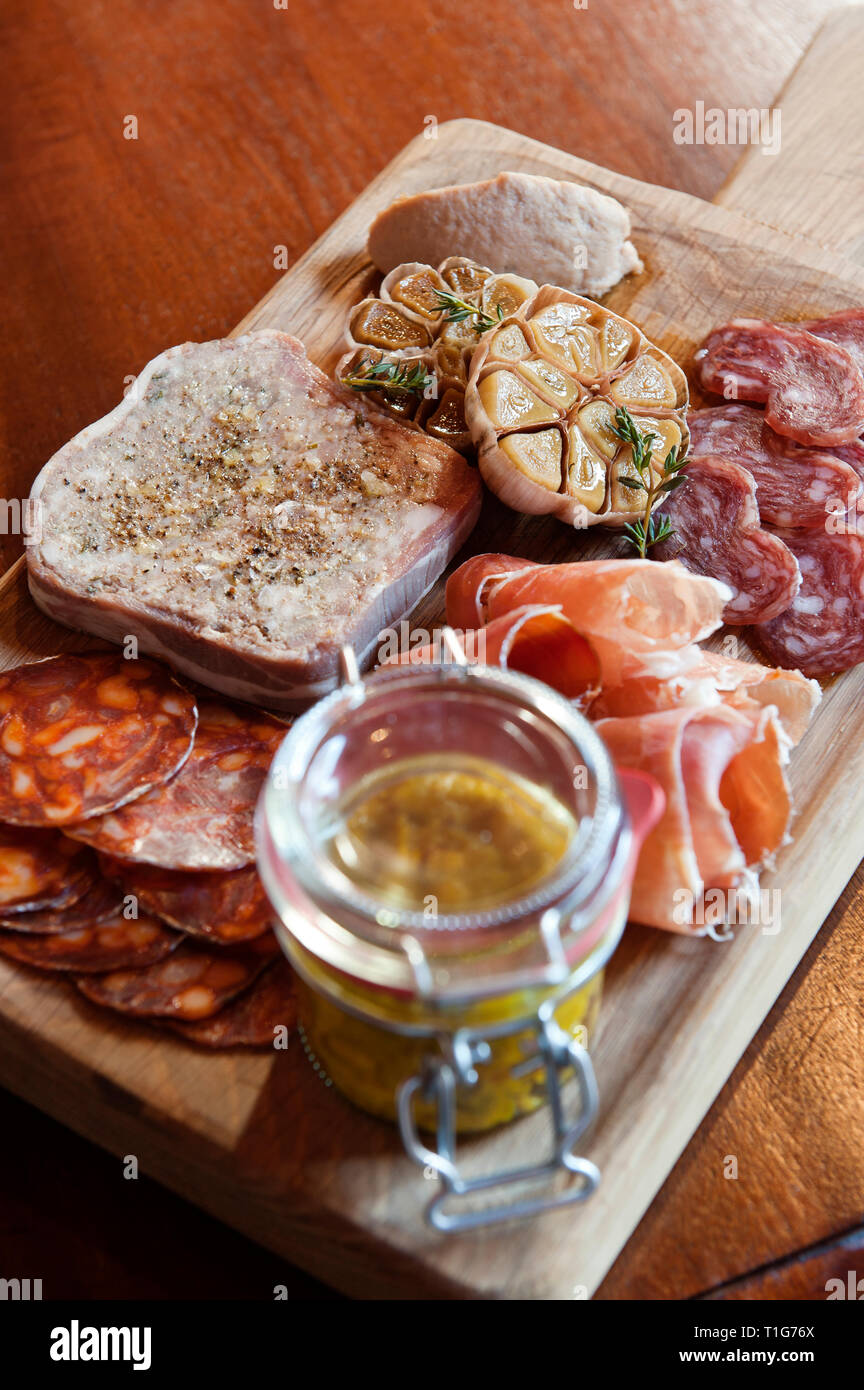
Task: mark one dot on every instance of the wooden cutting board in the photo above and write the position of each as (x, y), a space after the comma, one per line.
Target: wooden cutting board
(257, 1140)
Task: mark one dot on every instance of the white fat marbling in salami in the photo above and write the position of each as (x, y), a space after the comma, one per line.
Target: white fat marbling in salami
(102, 900)
(223, 906)
(717, 532)
(822, 632)
(41, 869)
(195, 982)
(252, 1019)
(113, 944)
(203, 818)
(845, 328)
(812, 388)
(81, 734)
(797, 487)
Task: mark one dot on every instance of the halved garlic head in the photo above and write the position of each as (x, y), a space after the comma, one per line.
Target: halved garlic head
(544, 403)
(429, 320)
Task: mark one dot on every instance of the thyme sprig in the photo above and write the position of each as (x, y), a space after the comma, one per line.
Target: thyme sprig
(388, 375)
(457, 310)
(648, 530)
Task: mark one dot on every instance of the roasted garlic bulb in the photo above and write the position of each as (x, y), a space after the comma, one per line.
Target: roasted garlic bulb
(541, 402)
(410, 347)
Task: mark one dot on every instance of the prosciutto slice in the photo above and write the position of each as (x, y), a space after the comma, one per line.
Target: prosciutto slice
(631, 611)
(727, 805)
(535, 641)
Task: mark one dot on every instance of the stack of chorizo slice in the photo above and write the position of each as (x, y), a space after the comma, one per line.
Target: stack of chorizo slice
(126, 845)
(776, 490)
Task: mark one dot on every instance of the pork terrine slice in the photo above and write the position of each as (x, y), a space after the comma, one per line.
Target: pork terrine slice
(243, 517)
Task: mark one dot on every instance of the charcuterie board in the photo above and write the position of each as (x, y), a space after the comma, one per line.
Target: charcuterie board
(257, 1139)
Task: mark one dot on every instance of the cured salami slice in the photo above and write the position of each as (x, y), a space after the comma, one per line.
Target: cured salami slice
(195, 982)
(250, 1020)
(797, 487)
(823, 630)
(717, 532)
(203, 818)
(845, 328)
(40, 869)
(812, 388)
(223, 906)
(81, 734)
(115, 944)
(102, 900)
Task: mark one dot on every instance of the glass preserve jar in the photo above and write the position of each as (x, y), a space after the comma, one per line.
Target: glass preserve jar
(449, 852)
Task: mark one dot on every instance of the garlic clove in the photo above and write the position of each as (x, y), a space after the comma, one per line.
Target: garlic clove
(465, 277)
(382, 325)
(646, 383)
(418, 291)
(586, 473)
(551, 382)
(596, 420)
(447, 420)
(616, 340)
(505, 293)
(537, 456)
(448, 362)
(510, 403)
(509, 344)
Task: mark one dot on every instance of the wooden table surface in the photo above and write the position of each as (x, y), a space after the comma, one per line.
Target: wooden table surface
(256, 125)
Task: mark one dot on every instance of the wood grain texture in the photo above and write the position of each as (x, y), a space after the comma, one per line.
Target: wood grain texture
(257, 1139)
(258, 125)
(800, 1138)
(810, 1276)
(113, 250)
(815, 187)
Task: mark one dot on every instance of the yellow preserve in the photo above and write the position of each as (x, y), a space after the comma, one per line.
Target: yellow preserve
(463, 838)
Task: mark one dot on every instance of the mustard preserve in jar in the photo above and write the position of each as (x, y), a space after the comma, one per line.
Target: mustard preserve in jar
(449, 855)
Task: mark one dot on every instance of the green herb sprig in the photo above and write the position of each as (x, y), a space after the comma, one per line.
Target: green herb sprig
(649, 530)
(456, 310)
(389, 375)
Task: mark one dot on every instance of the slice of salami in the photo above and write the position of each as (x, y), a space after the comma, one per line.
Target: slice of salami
(41, 869)
(81, 734)
(717, 532)
(823, 630)
(845, 328)
(226, 907)
(102, 900)
(812, 388)
(252, 1019)
(796, 487)
(203, 818)
(115, 944)
(195, 982)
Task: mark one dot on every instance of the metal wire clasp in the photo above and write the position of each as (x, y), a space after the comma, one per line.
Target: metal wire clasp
(556, 1053)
